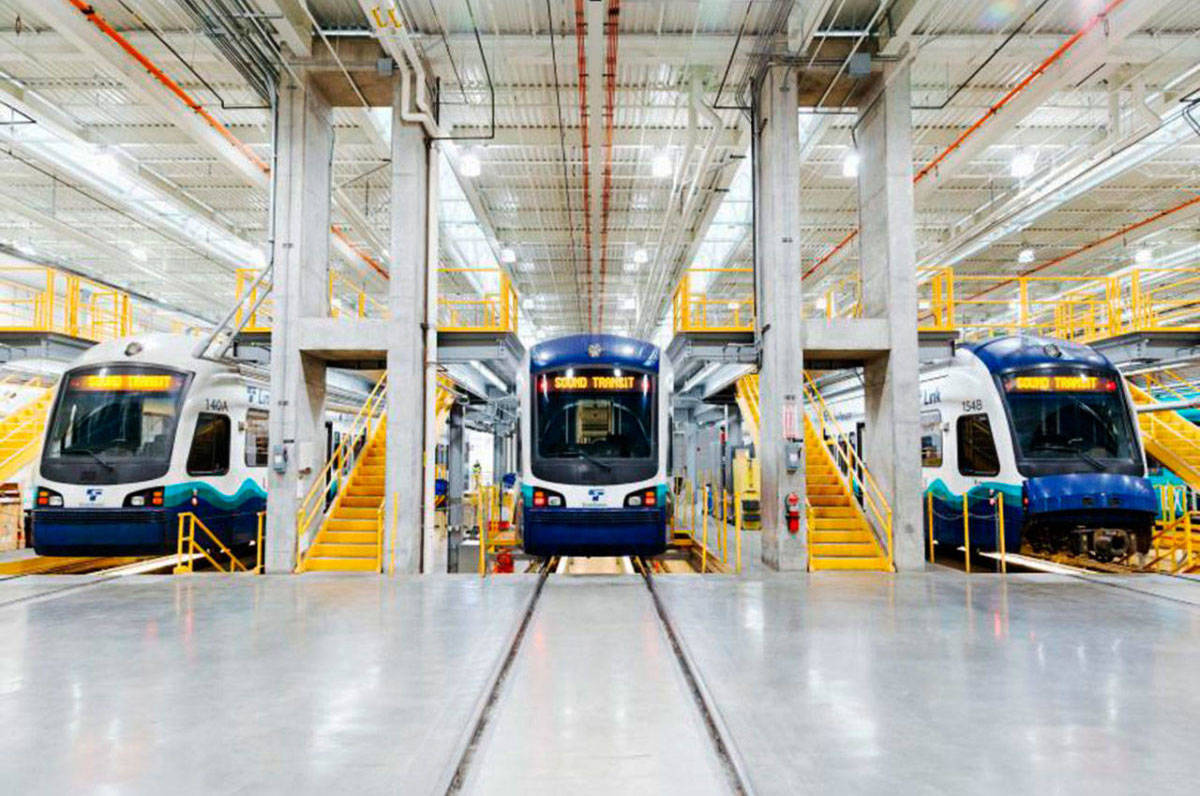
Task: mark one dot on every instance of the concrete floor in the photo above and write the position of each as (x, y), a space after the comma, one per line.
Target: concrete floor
(840, 683)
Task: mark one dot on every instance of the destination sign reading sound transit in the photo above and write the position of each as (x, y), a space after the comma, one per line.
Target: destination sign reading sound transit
(594, 383)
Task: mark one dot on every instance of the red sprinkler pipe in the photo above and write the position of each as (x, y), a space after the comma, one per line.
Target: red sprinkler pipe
(991, 112)
(108, 30)
(94, 17)
(612, 31)
(581, 56)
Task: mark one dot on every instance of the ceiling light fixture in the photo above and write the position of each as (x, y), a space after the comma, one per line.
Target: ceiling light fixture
(1026, 255)
(469, 165)
(850, 164)
(661, 165)
(641, 256)
(507, 255)
(527, 266)
(139, 254)
(1143, 256)
(630, 268)
(1023, 165)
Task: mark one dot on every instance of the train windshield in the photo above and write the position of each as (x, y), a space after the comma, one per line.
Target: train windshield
(594, 426)
(113, 424)
(1078, 420)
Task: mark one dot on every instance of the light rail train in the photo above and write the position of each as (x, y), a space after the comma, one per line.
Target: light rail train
(142, 431)
(1047, 427)
(595, 437)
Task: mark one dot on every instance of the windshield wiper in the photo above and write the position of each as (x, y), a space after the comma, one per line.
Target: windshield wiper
(93, 454)
(1091, 460)
(590, 458)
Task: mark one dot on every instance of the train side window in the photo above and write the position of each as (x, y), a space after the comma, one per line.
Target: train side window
(931, 439)
(256, 438)
(210, 445)
(976, 447)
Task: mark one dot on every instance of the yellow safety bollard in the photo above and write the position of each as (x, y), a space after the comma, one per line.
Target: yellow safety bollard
(967, 531)
(929, 512)
(704, 541)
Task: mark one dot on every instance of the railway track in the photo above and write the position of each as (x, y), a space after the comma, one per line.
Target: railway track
(735, 777)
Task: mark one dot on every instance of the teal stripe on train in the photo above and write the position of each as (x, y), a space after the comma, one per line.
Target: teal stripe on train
(181, 494)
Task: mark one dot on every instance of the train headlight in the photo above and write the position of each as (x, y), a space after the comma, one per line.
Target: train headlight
(544, 497)
(49, 498)
(146, 497)
(644, 497)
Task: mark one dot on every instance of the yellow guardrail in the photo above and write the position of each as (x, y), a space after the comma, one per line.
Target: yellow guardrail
(36, 298)
(829, 432)
(256, 316)
(188, 548)
(694, 310)
(352, 300)
(688, 531)
(312, 505)
(1175, 547)
(464, 309)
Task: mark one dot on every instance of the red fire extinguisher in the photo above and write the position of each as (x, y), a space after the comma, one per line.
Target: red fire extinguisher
(791, 512)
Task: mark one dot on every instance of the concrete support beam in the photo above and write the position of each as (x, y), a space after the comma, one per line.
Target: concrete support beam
(301, 257)
(885, 199)
(778, 271)
(411, 177)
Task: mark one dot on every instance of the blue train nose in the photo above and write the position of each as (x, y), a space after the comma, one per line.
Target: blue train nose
(1082, 493)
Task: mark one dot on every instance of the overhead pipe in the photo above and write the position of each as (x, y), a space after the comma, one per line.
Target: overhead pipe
(688, 197)
(112, 33)
(611, 32)
(581, 63)
(990, 114)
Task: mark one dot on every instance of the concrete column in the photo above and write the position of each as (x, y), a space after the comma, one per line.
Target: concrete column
(891, 440)
(499, 455)
(456, 465)
(778, 272)
(301, 256)
(410, 173)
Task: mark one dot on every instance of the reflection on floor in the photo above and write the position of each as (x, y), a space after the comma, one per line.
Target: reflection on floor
(864, 683)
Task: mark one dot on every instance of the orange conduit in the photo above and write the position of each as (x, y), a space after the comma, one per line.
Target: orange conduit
(108, 30)
(611, 31)
(94, 17)
(991, 112)
(581, 55)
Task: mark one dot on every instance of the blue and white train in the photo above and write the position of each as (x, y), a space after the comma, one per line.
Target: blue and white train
(595, 435)
(142, 431)
(1046, 426)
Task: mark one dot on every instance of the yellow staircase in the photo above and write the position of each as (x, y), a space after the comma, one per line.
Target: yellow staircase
(1170, 438)
(839, 536)
(351, 536)
(21, 435)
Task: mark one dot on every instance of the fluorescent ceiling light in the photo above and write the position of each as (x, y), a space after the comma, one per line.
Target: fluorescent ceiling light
(1143, 256)
(629, 268)
(1026, 256)
(1023, 165)
(850, 164)
(507, 255)
(640, 256)
(661, 166)
(629, 303)
(469, 165)
(139, 254)
(527, 266)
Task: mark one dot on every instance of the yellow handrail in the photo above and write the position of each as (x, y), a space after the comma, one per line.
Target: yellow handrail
(695, 311)
(312, 505)
(186, 540)
(471, 312)
(851, 465)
